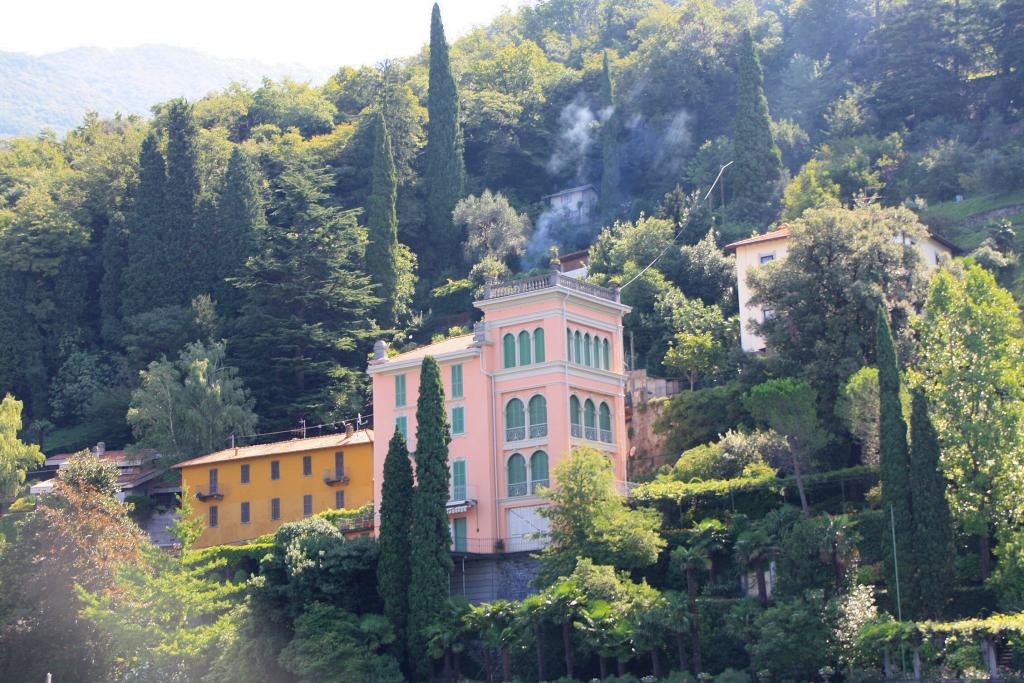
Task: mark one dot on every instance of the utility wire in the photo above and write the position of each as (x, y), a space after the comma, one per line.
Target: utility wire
(357, 421)
(681, 229)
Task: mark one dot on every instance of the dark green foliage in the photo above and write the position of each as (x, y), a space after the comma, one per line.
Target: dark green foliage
(933, 524)
(758, 161)
(691, 418)
(611, 178)
(311, 562)
(444, 173)
(185, 244)
(1010, 48)
(431, 563)
(393, 572)
(894, 460)
(143, 280)
(233, 237)
(303, 331)
(115, 254)
(382, 224)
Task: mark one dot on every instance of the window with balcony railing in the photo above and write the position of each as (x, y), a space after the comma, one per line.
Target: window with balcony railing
(605, 422)
(538, 417)
(515, 420)
(516, 471)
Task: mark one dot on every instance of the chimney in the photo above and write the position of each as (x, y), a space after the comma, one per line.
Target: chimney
(348, 429)
(380, 351)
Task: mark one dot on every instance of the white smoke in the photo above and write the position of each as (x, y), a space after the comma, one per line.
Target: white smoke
(579, 126)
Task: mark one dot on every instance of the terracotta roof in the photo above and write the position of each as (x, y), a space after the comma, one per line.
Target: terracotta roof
(450, 345)
(120, 458)
(282, 447)
(781, 233)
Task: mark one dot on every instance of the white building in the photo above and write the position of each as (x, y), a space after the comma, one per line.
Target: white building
(758, 250)
(575, 205)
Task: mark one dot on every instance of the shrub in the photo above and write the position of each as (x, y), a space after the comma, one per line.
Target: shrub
(696, 417)
(733, 676)
(730, 456)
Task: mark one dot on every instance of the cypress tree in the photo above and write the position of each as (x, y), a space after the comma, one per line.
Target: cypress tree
(933, 523)
(758, 162)
(445, 171)
(239, 216)
(395, 527)
(382, 223)
(431, 563)
(893, 461)
(115, 256)
(144, 286)
(611, 176)
(184, 248)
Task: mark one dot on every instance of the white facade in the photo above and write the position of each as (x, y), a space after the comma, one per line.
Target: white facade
(575, 205)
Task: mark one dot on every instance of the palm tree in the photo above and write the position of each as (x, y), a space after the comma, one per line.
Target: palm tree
(754, 550)
(563, 605)
(690, 559)
(494, 623)
(713, 536)
(445, 637)
(677, 612)
(529, 625)
(838, 545)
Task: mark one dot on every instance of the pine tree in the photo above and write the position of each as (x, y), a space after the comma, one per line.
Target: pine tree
(239, 217)
(144, 286)
(184, 248)
(758, 162)
(933, 523)
(393, 573)
(611, 177)
(431, 562)
(445, 172)
(1009, 44)
(893, 460)
(382, 223)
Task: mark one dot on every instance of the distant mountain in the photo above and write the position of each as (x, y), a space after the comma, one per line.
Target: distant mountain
(56, 90)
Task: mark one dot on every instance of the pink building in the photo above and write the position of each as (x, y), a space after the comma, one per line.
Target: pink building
(541, 374)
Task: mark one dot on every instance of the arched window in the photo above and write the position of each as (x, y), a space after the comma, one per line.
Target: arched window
(577, 340)
(538, 345)
(538, 417)
(524, 348)
(605, 422)
(568, 345)
(607, 349)
(538, 470)
(516, 476)
(574, 417)
(515, 421)
(509, 347)
(586, 349)
(589, 420)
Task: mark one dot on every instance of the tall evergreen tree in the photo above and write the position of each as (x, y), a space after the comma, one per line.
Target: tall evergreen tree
(239, 217)
(893, 461)
(304, 328)
(144, 285)
(184, 248)
(445, 173)
(758, 162)
(114, 257)
(393, 572)
(611, 177)
(1009, 44)
(382, 223)
(431, 562)
(933, 523)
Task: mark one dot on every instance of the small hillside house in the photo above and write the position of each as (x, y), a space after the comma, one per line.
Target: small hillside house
(576, 205)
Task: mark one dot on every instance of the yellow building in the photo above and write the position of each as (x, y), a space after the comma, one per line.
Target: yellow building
(249, 491)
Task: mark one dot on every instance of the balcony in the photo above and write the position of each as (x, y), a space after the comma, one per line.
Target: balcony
(215, 494)
(537, 484)
(577, 431)
(335, 478)
(523, 488)
(538, 431)
(554, 279)
(590, 433)
(515, 433)
(605, 435)
(512, 544)
(461, 498)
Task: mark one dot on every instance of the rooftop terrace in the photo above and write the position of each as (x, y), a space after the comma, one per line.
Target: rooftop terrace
(554, 279)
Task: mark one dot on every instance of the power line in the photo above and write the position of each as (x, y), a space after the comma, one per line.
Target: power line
(681, 229)
(357, 422)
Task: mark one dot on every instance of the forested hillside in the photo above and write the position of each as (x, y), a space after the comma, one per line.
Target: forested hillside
(56, 90)
(264, 238)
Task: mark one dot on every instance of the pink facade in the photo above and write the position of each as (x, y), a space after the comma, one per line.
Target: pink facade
(542, 373)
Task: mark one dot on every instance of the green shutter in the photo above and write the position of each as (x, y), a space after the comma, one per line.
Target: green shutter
(538, 410)
(515, 416)
(402, 425)
(516, 475)
(509, 346)
(399, 391)
(574, 410)
(524, 348)
(459, 473)
(456, 381)
(589, 414)
(607, 355)
(458, 420)
(460, 536)
(539, 466)
(538, 345)
(606, 417)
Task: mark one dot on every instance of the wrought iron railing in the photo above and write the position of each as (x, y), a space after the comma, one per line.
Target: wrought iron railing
(590, 433)
(577, 430)
(538, 484)
(496, 290)
(538, 431)
(334, 477)
(515, 433)
(517, 489)
(606, 435)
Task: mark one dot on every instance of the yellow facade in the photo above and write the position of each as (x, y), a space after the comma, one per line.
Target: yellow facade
(223, 508)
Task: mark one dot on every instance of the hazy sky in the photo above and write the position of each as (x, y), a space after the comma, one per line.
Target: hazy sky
(314, 33)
